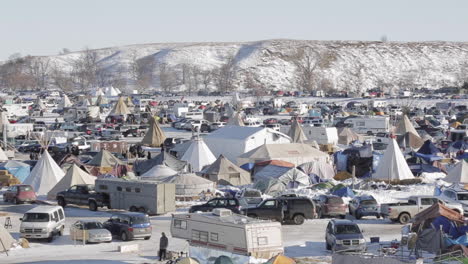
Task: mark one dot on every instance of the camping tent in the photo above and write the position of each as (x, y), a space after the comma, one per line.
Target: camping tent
(104, 159)
(392, 165)
(296, 133)
(405, 126)
(6, 240)
(45, 175)
(65, 102)
(459, 173)
(164, 158)
(18, 169)
(428, 148)
(270, 181)
(158, 172)
(189, 184)
(225, 172)
(74, 176)
(410, 140)
(321, 169)
(154, 137)
(242, 139)
(295, 153)
(101, 101)
(198, 155)
(120, 108)
(346, 135)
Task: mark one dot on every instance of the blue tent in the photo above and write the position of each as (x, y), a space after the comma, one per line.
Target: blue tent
(463, 156)
(428, 148)
(344, 192)
(18, 169)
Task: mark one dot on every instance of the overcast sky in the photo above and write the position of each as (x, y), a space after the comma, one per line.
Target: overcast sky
(44, 27)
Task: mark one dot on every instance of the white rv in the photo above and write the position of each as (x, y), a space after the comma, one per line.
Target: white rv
(225, 231)
(369, 125)
(323, 135)
(19, 129)
(17, 110)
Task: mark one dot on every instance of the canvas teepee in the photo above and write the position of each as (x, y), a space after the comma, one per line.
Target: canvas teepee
(65, 102)
(224, 172)
(236, 120)
(198, 155)
(296, 133)
(45, 175)
(104, 159)
(392, 165)
(405, 126)
(74, 176)
(459, 173)
(120, 108)
(154, 137)
(346, 135)
(101, 100)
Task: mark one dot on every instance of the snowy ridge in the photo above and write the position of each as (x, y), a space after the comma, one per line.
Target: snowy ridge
(357, 65)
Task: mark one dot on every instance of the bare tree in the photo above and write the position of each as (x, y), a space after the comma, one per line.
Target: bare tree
(85, 69)
(39, 69)
(225, 75)
(206, 77)
(14, 74)
(142, 71)
(167, 78)
(307, 62)
(61, 79)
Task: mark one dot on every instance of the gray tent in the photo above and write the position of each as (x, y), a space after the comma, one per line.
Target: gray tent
(154, 137)
(272, 181)
(189, 184)
(347, 135)
(225, 172)
(105, 159)
(296, 133)
(164, 158)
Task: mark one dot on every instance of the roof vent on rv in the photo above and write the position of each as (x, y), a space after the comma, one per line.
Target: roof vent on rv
(221, 212)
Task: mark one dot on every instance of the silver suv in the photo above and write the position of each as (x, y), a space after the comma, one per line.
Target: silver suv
(455, 194)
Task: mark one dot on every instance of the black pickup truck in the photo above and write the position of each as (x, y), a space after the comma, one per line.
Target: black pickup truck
(83, 194)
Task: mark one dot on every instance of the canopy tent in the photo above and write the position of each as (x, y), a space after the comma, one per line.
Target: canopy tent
(269, 181)
(405, 126)
(224, 172)
(120, 108)
(392, 165)
(45, 175)
(189, 184)
(6, 240)
(3, 156)
(428, 148)
(322, 170)
(410, 140)
(164, 158)
(74, 176)
(346, 135)
(459, 173)
(295, 153)
(105, 159)
(198, 155)
(16, 168)
(296, 133)
(154, 137)
(236, 120)
(158, 172)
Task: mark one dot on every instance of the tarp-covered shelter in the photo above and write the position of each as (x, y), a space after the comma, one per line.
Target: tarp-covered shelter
(164, 158)
(280, 259)
(346, 135)
(154, 137)
(295, 153)
(323, 170)
(74, 176)
(435, 211)
(393, 165)
(224, 172)
(198, 155)
(189, 184)
(45, 174)
(296, 133)
(16, 168)
(272, 181)
(344, 192)
(458, 174)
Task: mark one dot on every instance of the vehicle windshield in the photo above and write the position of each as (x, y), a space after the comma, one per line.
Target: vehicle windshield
(252, 194)
(140, 219)
(335, 200)
(347, 229)
(368, 202)
(25, 188)
(36, 217)
(93, 225)
(462, 196)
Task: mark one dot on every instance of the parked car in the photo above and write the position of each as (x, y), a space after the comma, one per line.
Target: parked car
(43, 222)
(402, 212)
(90, 231)
(285, 122)
(30, 148)
(270, 121)
(216, 125)
(82, 194)
(330, 205)
(344, 235)
(200, 125)
(456, 195)
(361, 206)
(284, 209)
(20, 194)
(135, 131)
(128, 226)
(232, 204)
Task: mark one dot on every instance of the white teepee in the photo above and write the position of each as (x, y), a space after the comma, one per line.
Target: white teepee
(74, 176)
(393, 166)
(45, 175)
(65, 102)
(198, 155)
(459, 173)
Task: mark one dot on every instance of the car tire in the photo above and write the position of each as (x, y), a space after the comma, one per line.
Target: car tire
(298, 219)
(15, 200)
(93, 206)
(327, 246)
(61, 231)
(142, 210)
(378, 216)
(61, 202)
(124, 236)
(358, 216)
(50, 239)
(142, 134)
(404, 218)
(342, 216)
(147, 238)
(133, 208)
(252, 215)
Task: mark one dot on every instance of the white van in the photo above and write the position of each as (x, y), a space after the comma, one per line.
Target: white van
(43, 222)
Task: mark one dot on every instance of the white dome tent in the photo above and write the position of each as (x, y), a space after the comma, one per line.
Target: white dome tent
(158, 172)
(189, 184)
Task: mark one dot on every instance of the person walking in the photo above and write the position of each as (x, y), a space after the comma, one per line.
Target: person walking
(163, 243)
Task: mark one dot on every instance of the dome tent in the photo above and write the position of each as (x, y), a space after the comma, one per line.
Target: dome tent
(158, 172)
(164, 158)
(189, 184)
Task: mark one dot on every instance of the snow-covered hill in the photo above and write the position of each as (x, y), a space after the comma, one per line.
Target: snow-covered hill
(356, 65)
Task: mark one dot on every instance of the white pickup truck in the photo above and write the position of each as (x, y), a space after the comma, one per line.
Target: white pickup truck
(403, 212)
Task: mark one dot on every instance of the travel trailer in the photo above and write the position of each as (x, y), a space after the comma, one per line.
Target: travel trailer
(369, 125)
(136, 195)
(323, 135)
(225, 231)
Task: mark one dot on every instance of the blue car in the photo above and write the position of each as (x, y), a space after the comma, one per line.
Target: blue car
(128, 226)
(361, 206)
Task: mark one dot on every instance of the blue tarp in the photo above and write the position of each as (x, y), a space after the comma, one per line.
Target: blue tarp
(444, 222)
(427, 157)
(18, 169)
(341, 161)
(344, 192)
(428, 148)
(463, 156)
(420, 168)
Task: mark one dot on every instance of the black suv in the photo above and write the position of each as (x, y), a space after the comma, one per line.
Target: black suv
(135, 131)
(128, 226)
(82, 194)
(284, 209)
(232, 204)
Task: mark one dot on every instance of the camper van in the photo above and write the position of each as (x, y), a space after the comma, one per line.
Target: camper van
(233, 233)
(136, 195)
(368, 125)
(43, 222)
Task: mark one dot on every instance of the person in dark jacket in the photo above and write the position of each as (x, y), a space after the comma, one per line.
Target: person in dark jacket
(163, 243)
